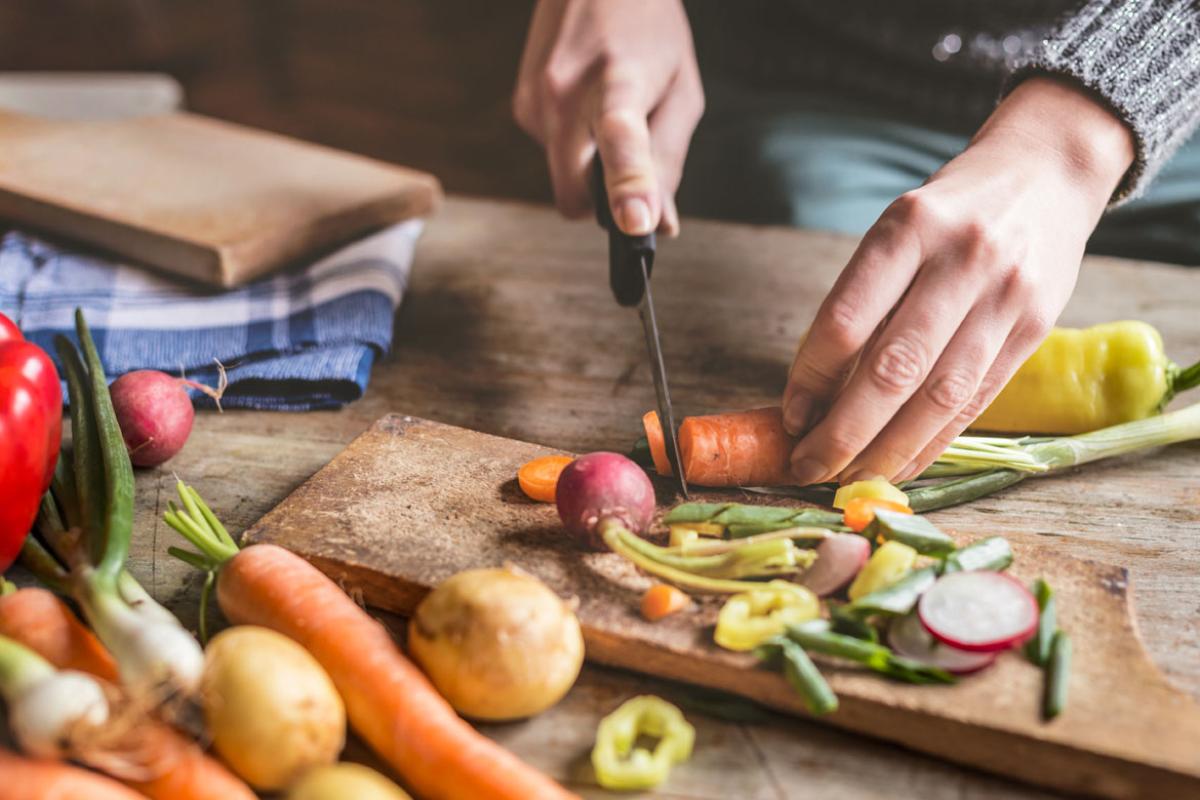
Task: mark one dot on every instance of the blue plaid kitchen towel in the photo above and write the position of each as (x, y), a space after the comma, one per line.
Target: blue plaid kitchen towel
(302, 339)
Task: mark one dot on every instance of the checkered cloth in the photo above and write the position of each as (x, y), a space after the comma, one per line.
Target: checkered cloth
(303, 339)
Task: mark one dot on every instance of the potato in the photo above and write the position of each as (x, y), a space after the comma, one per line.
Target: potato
(345, 781)
(272, 711)
(497, 643)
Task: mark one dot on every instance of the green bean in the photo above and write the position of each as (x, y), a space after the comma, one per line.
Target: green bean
(917, 532)
(802, 674)
(1038, 648)
(818, 638)
(1058, 671)
(896, 598)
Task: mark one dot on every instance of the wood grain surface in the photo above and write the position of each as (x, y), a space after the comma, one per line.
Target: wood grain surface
(209, 200)
(508, 328)
(411, 502)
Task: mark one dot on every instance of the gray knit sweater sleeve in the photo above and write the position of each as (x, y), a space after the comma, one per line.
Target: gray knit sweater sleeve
(1142, 57)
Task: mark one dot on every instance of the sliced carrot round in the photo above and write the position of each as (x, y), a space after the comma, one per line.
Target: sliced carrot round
(662, 600)
(861, 510)
(539, 478)
(657, 442)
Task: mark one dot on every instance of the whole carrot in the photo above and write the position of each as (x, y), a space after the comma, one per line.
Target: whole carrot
(36, 779)
(44, 624)
(389, 701)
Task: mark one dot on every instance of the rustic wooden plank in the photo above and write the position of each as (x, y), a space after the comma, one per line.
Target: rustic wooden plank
(508, 328)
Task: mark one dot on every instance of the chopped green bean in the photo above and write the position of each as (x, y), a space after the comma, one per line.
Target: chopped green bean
(1058, 670)
(915, 531)
(1038, 648)
(846, 622)
(897, 598)
(802, 674)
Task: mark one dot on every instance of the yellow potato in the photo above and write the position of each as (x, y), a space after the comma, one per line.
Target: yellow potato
(272, 711)
(345, 781)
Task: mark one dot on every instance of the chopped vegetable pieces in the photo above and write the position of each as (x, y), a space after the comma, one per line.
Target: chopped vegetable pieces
(663, 600)
(917, 532)
(899, 597)
(1037, 649)
(751, 618)
(887, 565)
(875, 488)
(860, 511)
(1058, 670)
(802, 674)
(993, 553)
(617, 759)
(539, 478)
(979, 611)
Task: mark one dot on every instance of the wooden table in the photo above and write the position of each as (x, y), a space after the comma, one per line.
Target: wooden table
(509, 328)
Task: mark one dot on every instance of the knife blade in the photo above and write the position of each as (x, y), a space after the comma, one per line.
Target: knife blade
(630, 262)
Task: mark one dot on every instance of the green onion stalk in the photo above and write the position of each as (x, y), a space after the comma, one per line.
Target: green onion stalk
(85, 524)
(986, 466)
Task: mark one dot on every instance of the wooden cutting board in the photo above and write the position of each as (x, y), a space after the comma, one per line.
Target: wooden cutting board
(194, 196)
(411, 502)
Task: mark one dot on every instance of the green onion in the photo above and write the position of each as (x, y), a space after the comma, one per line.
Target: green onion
(993, 554)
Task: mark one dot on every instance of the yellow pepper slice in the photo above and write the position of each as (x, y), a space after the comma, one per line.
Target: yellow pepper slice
(891, 562)
(751, 618)
(875, 488)
(620, 764)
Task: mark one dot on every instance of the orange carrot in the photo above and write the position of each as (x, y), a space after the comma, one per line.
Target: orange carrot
(859, 512)
(390, 702)
(37, 779)
(745, 448)
(663, 600)
(539, 478)
(42, 622)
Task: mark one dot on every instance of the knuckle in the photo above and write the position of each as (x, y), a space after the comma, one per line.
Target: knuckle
(951, 390)
(915, 208)
(841, 445)
(980, 241)
(841, 324)
(554, 85)
(899, 365)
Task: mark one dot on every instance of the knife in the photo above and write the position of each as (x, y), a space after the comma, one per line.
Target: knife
(630, 261)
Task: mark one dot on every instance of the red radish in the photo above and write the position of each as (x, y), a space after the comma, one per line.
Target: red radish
(908, 638)
(839, 558)
(155, 413)
(602, 487)
(979, 611)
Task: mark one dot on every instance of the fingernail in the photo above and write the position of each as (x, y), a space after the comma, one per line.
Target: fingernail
(795, 416)
(635, 217)
(808, 470)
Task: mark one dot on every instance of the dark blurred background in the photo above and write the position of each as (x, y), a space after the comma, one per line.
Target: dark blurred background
(425, 83)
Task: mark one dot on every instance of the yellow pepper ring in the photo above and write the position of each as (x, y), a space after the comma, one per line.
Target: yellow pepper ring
(620, 764)
(751, 618)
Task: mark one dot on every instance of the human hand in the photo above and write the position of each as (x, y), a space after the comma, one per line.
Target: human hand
(619, 76)
(953, 288)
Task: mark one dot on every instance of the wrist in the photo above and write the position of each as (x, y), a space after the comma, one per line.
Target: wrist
(1075, 129)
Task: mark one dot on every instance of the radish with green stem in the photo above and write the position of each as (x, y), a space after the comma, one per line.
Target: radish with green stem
(155, 413)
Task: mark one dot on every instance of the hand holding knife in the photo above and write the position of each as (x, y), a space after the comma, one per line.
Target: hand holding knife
(630, 261)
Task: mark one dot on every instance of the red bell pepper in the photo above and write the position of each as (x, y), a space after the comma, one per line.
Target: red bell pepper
(30, 435)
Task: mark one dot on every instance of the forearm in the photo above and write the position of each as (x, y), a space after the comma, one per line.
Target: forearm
(1140, 60)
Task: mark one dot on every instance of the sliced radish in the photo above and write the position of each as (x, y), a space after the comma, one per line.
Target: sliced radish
(978, 611)
(908, 637)
(839, 558)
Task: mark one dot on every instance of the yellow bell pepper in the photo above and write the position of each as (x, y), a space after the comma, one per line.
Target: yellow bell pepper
(617, 759)
(751, 618)
(891, 562)
(1081, 380)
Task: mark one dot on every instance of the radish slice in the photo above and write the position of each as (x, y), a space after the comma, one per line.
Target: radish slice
(908, 638)
(839, 558)
(978, 611)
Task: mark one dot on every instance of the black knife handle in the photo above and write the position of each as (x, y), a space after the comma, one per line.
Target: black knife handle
(625, 252)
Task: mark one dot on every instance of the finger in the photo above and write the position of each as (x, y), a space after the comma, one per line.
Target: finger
(952, 384)
(533, 76)
(672, 124)
(1021, 343)
(622, 133)
(889, 373)
(872, 283)
(569, 153)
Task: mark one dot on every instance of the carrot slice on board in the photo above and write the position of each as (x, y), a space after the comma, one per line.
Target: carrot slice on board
(743, 448)
(662, 600)
(861, 510)
(657, 442)
(539, 478)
